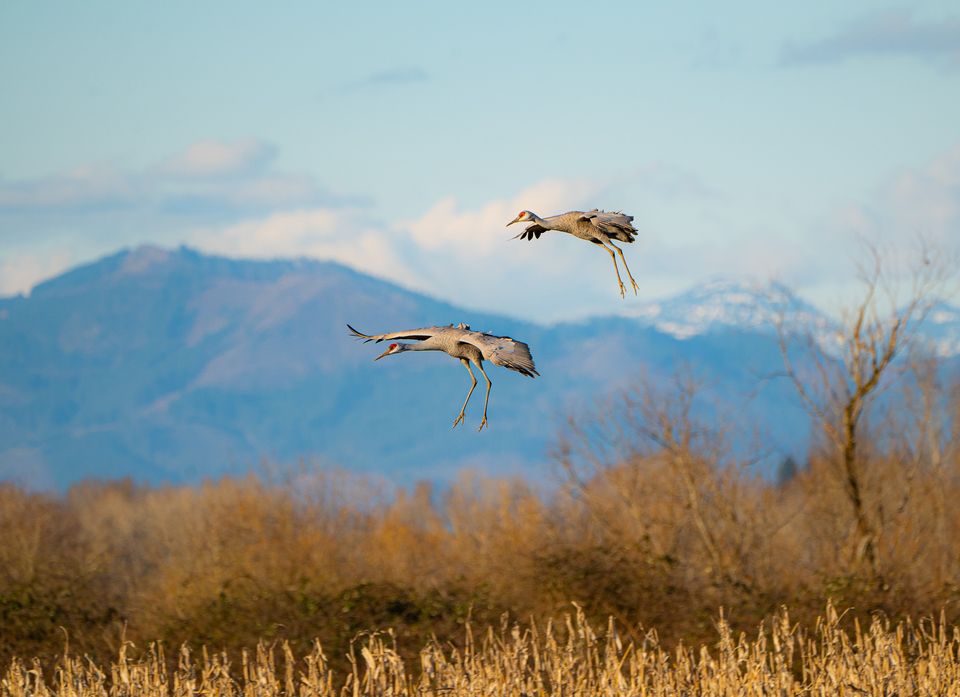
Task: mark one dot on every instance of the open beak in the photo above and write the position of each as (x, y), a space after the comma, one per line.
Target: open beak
(515, 220)
(381, 355)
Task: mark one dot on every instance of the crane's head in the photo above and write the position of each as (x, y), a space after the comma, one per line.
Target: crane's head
(523, 217)
(392, 349)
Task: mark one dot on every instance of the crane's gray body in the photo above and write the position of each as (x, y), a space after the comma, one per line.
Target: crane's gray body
(469, 346)
(596, 226)
(460, 342)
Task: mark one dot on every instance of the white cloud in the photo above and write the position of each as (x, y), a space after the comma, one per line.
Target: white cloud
(91, 211)
(927, 200)
(464, 254)
(915, 203)
(912, 209)
(210, 179)
(215, 158)
(82, 188)
(479, 231)
(20, 273)
(467, 256)
(338, 234)
(885, 32)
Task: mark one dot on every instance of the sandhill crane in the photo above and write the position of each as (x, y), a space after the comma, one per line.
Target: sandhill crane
(599, 227)
(468, 346)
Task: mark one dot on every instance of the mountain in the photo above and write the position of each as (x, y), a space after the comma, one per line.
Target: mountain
(172, 366)
(724, 303)
(941, 327)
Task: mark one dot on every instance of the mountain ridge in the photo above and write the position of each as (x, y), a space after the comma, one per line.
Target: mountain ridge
(720, 302)
(168, 365)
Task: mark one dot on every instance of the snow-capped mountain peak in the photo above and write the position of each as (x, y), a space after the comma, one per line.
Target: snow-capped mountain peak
(724, 303)
(941, 327)
(735, 304)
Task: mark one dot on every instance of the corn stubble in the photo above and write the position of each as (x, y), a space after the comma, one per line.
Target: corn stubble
(834, 658)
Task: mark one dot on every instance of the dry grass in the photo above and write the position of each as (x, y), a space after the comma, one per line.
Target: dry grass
(236, 561)
(834, 658)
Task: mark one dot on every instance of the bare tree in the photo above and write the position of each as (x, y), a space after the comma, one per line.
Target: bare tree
(838, 377)
(663, 455)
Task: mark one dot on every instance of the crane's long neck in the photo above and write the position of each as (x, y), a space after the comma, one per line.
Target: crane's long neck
(419, 346)
(547, 223)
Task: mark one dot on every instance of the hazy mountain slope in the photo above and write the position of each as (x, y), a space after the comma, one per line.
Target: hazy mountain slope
(173, 366)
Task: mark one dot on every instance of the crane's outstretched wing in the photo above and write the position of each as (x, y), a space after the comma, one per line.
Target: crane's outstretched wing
(531, 231)
(613, 224)
(503, 351)
(411, 334)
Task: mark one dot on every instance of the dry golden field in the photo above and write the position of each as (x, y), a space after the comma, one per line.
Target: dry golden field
(831, 658)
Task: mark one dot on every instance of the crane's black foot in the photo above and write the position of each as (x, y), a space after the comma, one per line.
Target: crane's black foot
(483, 422)
(458, 420)
(623, 290)
(636, 288)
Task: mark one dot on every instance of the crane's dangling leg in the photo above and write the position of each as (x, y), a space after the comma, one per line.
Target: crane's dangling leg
(623, 290)
(624, 260)
(466, 364)
(486, 401)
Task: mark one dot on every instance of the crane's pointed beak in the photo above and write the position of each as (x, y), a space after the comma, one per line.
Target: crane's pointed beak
(515, 220)
(385, 353)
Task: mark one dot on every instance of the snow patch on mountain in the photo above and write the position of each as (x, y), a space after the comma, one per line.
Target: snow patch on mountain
(723, 303)
(941, 328)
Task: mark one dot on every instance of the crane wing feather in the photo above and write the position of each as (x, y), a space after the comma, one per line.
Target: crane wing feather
(499, 350)
(531, 231)
(503, 351)
(410, 334)
(612, 223)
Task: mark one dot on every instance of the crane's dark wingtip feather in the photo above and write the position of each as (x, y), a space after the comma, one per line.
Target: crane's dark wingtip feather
(358, 335)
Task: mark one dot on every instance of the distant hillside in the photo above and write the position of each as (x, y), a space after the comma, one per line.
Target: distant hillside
(172, 366)
(724, 303)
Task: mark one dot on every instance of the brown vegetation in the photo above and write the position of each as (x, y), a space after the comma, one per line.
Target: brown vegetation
(657, 523)
(661, 534)
(568, 658)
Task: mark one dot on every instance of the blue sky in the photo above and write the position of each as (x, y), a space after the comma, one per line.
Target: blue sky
(746, 138)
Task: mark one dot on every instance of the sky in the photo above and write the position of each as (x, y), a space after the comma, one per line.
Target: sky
(747, 139)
